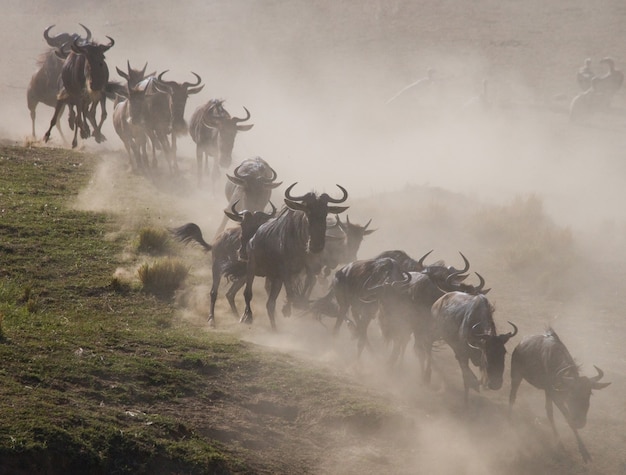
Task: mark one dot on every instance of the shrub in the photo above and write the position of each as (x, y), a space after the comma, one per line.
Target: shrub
(153, 241)
(163, 277)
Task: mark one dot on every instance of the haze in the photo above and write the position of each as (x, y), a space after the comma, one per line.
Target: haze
(318, 76)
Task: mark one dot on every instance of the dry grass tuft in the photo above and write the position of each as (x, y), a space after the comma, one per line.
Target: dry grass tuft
(153, 241)
(162, 278)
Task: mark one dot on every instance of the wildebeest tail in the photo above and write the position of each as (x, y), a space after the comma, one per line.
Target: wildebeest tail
(190, 232)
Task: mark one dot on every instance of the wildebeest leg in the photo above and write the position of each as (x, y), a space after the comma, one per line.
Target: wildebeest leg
(98, 135)
(516, 380)
(217, 276)
(247, 293)
(57, 111)
(581, 446)
(275, 286)
(232, 292)
(469, 378)
(173, 152)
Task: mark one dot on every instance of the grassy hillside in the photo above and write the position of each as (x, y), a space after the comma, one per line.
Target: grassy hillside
(101, 377)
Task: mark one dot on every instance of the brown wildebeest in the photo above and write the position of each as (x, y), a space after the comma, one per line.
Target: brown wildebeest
(133, 136)
(228, 250)
(545, 362)
(85, 77)
(465, 322)
(45, 84)
(281, 248)
(213, 130)
(159, 107)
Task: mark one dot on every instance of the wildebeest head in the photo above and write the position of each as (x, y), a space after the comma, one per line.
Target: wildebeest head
(446, 278)
(250, 222)
(354, 235)
(133, 76)
(492, 351)
(256, 179)
(178, 94)
(316, 210)
(226, 127)
(96, 69)
(63, 39)
(577, 392)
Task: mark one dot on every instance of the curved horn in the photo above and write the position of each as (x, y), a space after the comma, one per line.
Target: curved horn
(467, 264)
(237, 119)
(421, 261)
(237, 174)
(88, 38)
(340, 200)
(482, 282)
(143, 71)
(272, 178)
(273, 213)
(366, 224)
(599, 376)
(160, 76)
(398, 284)
(513, 333)
(110, 45)
(289, 196)
(46, 34)
(474, 346)
(234, 214)
(188, 84)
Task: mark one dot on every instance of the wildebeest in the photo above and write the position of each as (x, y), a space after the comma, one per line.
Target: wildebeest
(351, 288)
(133, 136)
(45, 84)
(159, 107)
(213, 130)
(280, 248)
(85, 76)
(228, 250)
(544, 361)
(344, 243)
(251, 186)
(405, 309)
(465, 322)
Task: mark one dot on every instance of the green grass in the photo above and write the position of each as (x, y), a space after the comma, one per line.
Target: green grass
(98, 376)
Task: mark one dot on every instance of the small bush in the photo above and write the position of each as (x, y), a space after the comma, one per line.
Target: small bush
(163, 277)
(153, 241)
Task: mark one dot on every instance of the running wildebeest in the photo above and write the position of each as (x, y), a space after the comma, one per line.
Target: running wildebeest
(159, 107)
(465, 322)
(344, 243)
(213, 131)
(85, 77)
(133, 136)
(545, 362)
(251, 185)
(351, 289)
(405, 309)
(281, 248)
(228, 250)
(45, 84)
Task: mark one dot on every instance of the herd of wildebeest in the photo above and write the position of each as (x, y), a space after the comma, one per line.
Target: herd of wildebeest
(300, 245)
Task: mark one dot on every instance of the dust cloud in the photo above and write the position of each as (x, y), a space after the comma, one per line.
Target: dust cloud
(323, 81)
